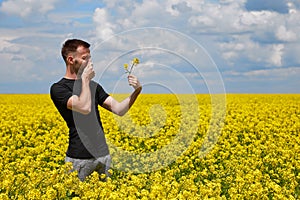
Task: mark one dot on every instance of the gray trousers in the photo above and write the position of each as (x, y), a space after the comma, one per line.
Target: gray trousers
(86, 167)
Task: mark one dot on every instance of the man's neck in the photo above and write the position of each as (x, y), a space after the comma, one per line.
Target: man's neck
(70, 75)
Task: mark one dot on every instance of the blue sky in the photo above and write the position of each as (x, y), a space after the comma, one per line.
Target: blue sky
(232, 46)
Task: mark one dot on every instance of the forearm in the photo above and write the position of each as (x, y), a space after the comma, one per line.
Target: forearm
(85, 100)
(82, 103)
(121, 108)
(129, 101)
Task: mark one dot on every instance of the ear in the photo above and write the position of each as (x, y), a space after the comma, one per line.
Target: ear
(70, 59)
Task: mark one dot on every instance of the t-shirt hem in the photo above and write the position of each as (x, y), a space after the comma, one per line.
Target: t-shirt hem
(85, 157)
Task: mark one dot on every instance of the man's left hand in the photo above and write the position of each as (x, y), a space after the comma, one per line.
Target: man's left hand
(134, 82)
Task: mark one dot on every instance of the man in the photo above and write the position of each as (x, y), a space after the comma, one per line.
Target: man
(77, 96)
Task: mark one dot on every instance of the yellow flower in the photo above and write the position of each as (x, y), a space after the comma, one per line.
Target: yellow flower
(134, 62)
(126, 66)
(254, 157)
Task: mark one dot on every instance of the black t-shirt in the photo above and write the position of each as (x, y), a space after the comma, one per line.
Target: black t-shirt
(86, 137)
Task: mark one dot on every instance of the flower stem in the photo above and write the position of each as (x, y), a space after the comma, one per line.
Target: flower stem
(131, 68)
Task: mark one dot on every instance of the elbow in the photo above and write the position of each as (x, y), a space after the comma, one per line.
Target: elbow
(86, 111)
(81, 107)
(121, 114)
(118, 110)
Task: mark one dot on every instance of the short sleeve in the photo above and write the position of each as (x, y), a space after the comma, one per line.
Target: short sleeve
(60, 94)
(101, 95)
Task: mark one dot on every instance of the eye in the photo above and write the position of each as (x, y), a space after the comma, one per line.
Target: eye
(85, 57)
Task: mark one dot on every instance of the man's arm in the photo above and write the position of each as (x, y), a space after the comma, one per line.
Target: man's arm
(121, 108)
(83, 102)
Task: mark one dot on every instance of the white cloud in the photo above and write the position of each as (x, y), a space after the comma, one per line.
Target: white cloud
(285, 35)
(276, 57)
(281, 73)
(240, 2)
(205, 20)
(243, 48)
(6, 46)
(15, 68)
(25, 8)
(144, 14)
(267, 74)
(177, 7)
(111, 3)
(241, 30)
(237, 38)
(26, 54)
(104, 28)
(170, 9)
(256, 18)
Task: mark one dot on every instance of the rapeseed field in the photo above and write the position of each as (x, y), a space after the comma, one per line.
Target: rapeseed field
(254, 150)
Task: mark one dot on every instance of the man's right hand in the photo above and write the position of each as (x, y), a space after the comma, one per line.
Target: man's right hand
(88, 72)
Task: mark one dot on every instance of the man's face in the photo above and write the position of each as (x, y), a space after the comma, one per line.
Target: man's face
(81, 58)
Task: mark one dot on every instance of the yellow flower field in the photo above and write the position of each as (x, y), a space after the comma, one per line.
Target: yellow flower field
(256, 155)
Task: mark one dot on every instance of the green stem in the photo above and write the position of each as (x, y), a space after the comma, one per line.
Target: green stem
(131, 68)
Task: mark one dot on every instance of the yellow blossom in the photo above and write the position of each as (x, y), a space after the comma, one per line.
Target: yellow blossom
(126, 66)
(255, 157)
(134, 62)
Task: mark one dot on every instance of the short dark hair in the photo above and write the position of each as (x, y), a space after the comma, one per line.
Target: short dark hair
(71, 45)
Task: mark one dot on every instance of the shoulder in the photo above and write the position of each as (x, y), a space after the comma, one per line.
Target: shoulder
(59, 87)
(54, 86)
(62, 83)
(99, 88)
